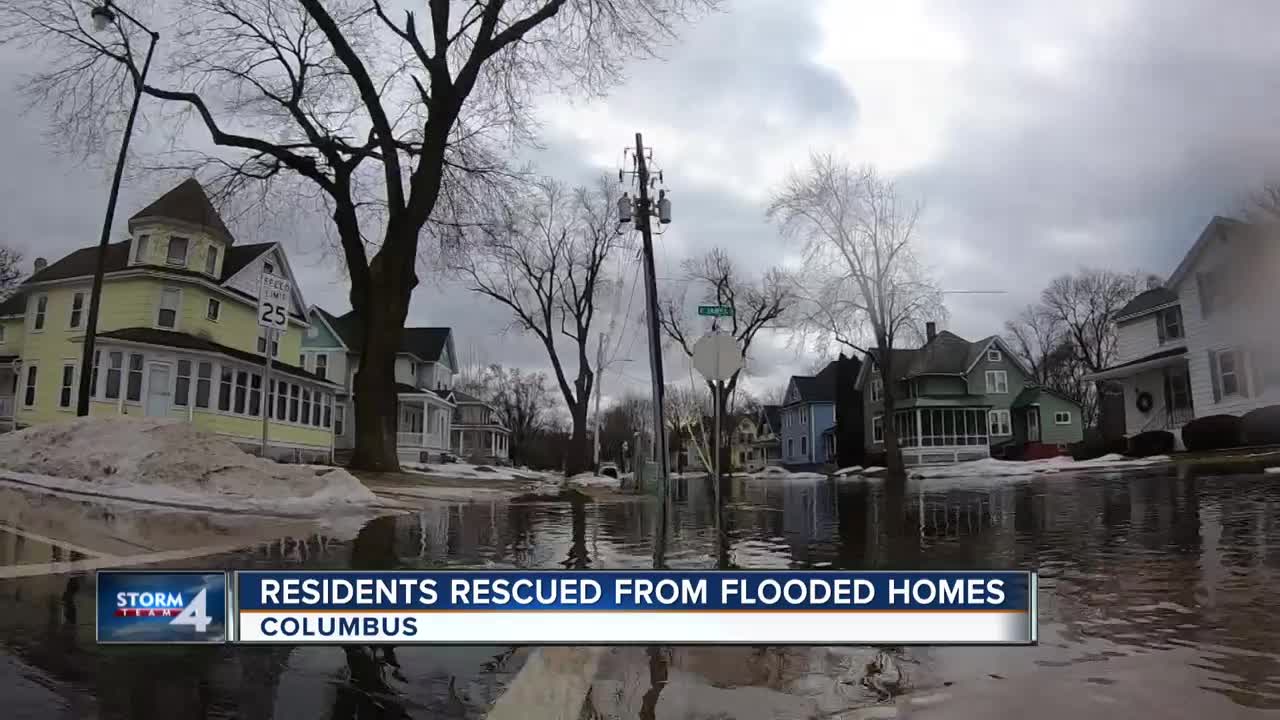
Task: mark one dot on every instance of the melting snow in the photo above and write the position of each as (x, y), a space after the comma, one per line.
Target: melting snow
(991, 467)
(587, 479)
(851, 470)
(172, 462)
(1272, 470)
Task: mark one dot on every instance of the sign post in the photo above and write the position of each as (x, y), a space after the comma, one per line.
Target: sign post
(716, 357)
(273, 317)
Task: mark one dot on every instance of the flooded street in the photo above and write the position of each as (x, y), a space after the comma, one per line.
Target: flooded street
(1157, 599)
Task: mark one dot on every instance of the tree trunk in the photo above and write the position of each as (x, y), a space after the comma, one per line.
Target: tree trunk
(381, 313)
(579, 447)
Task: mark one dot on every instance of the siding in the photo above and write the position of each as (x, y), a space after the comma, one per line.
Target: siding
(1139, 338)
(1151, 381)
(977, 380)
(1058, 434)
(1229, 327)
(157, 250)
(941, 385)
(249, 278)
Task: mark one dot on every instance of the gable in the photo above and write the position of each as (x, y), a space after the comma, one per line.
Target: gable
(320, 335)
(1008, 359)
(793, 392)
(248, 277)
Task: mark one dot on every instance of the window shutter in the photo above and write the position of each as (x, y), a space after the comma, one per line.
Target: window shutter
(1213, 375)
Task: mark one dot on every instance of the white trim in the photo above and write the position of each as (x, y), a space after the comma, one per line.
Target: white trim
(877, 390)
(217, 356)
(994, 388)
(315, 310)
(84, 309)
(1058, 413)
(1012, 357)
(177, 311)
(34, 312)
(877, 421)
(207, 304)
(1143, 313)
(27, 367)
(75, 377)
(994, 355)
(1004, 421)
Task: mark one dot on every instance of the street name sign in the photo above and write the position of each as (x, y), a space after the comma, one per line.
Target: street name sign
(273, 303)
(715, 310)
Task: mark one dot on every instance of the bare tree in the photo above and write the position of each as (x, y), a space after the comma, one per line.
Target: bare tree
(862, 285)
(10, 270)
(545, 260)
(1086, 304)
(386, 123)
(522, 401)
(1035, 334)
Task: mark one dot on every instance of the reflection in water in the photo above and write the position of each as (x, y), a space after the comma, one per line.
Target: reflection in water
(1170, 578)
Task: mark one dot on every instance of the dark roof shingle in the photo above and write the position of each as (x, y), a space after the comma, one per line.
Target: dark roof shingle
(1147, 301)
(428, 343)
(186, 202)
(817, 388)
(184, 341)
(83, 262)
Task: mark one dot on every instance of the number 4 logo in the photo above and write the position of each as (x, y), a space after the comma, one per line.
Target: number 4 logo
(195, 614)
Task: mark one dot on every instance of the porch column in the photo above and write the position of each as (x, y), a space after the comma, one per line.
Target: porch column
(919, 430)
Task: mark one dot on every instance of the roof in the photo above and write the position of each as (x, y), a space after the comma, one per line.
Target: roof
(1218, 226)
(168, 338)
(902, 358)
(1163, 354)
(1031, 394)
(83, 262)
(817, 388)
(1147, 301)
(946, 354)
(188, 203)
(465, 397)
(427, 343)
(772, 415)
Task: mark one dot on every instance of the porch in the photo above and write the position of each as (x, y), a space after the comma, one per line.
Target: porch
(1157, 392)
(488, 443)
(932, 435)
(423, 426)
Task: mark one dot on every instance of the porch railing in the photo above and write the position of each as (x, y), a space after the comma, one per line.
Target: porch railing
(419, 439)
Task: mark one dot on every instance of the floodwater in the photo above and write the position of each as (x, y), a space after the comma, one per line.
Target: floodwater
(1158, 599)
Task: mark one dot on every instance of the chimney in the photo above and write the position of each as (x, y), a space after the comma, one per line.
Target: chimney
(41, 264)
(930, 331)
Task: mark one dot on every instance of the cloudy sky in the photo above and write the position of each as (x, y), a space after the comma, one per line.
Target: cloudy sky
(1041, 136)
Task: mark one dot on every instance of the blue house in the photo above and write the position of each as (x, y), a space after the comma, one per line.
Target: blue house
(808, 416)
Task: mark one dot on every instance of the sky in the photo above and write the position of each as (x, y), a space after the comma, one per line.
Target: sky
(1039, 136)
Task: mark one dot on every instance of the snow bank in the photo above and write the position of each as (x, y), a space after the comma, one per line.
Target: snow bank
(1272, 471)
(991, 467)
(587, 479)
(773, 472)
(172, 462)
(465, 471)
(845, 472)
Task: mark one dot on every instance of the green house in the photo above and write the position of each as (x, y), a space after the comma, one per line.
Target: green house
(958, 400)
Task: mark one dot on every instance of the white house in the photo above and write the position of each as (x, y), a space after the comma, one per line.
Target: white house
(424, 382)
(1206, 342)
(478, 431)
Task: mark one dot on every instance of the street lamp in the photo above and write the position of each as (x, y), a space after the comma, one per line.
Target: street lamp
(104, 16)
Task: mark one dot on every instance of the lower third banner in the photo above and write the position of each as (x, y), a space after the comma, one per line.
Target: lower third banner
(635, 607)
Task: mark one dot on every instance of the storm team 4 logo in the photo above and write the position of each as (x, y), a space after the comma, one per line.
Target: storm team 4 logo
(162, 607)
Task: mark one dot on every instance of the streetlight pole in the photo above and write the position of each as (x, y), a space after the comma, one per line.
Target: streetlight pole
(102, 16)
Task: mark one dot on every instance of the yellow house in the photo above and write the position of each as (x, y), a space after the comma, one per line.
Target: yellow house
(177, 335)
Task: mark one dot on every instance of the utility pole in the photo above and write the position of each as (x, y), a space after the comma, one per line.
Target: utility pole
(644, 214)
(599, 386)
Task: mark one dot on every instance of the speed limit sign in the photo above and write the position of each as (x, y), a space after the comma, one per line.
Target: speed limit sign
(273, 303)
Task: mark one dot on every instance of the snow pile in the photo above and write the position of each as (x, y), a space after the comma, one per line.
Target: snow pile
(1272, 471)
(464, 471)
(845, 472)
(171, 462)
(773, 472)
(873, 470)
(991, 467)
(587, 479)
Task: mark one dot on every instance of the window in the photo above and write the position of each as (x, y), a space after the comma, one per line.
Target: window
(282, 399)
(242, 391)
(293, 403)
(317, 409)
(322, 366)
(224, 390)
(68, 379)
(115, 367)
(204, 383)
(140, 248)
(1229, 372)
(791, 446)
(182, 386)
(42, 306)
(804, 416)
(262, 344)
(998, 421)
(1, 333)
(77, 310)
(268, 268)
(211, 261)
(1169, 324)
(302, 360)
(340, 419)
(877, 390)
(804, 446)
(993, 356)
(306, 406)
(214, 311)
(29, 394)
(255, 394)
(328, 411)
(997, 382)
(93, 373)
(1062, 418)
(877, 429)
(133, 392)
(177, 251)
(170, 301)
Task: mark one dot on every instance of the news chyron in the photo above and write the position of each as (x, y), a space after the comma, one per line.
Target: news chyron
(163, 607)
